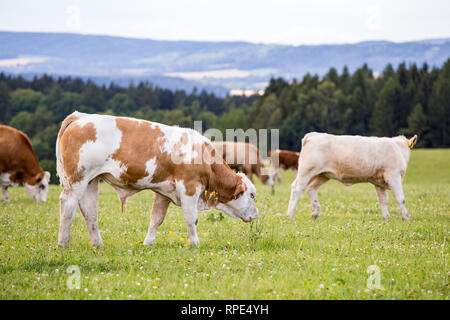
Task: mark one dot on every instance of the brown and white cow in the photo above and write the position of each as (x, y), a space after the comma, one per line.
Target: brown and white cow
(352, 159)
(244, 157)
(283, 159)
(131, 155)
(19, 164)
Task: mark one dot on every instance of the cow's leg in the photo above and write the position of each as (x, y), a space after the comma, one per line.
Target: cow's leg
(383, 199)
(159, 210)
(68, 202)
(297, 187)
(395, 184)
(190, 213)
(89, 209)
(312, 194)
(5, 193)
(278, 174)
(249, 173)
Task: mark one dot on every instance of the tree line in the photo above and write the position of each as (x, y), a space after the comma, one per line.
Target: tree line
(407, 100)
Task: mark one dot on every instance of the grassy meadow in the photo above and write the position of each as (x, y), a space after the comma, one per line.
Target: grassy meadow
(274, 257)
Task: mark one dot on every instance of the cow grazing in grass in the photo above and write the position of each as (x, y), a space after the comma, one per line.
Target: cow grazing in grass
(244, 157)
(131, 155)
(283, 159)
(19, 164)
(352, 159)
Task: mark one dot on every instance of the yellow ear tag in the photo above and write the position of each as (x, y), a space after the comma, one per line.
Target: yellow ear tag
(410, 144)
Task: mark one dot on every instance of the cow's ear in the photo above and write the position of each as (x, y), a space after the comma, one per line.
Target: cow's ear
(47, 176)
(39, 177)
(240, 189)
(412, 141)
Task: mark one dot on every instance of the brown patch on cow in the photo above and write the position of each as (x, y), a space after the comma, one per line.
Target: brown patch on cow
(17, 156)
(225, 182)
(286, 159)
(66, 122)
(140, 142)
(70, 142)
(250, 164)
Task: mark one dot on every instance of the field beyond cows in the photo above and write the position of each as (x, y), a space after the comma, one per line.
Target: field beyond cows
(274, 257)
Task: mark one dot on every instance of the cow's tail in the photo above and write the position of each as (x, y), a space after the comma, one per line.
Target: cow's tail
(63, 179)
(59, 168)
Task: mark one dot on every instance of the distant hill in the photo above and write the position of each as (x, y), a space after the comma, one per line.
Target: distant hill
(214, 66)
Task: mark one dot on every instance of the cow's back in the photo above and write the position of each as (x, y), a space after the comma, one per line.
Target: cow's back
(16, 151)
(238, 153)
(351, 155)
(286, 159)
(131, 151)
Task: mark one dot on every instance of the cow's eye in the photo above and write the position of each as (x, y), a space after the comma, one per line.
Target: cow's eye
(252, 195)
(41, 186)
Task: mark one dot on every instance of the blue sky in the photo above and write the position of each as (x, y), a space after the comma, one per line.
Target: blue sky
(282, 21)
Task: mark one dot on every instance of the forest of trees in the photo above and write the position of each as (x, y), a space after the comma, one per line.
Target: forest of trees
(407, 100)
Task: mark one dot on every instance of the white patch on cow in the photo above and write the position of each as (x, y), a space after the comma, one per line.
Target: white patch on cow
(173, 136)
(270, 180)
(97, 154)
(150, 168)
(189, 207)
(114, 167)
(33, 191)
(5, 180)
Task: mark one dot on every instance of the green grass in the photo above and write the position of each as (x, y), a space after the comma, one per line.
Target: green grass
(273, 258)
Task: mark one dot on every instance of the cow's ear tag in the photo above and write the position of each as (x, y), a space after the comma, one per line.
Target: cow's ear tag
(412, 141)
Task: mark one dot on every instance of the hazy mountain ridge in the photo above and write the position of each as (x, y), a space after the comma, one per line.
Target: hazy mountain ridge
(227, 64)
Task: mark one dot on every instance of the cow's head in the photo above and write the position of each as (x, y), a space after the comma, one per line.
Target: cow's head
(37, 187)
(242, 204)
(268, 178)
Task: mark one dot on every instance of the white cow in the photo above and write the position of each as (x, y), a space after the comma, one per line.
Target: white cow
(352, 159)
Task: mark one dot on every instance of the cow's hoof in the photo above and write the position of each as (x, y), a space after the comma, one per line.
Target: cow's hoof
(387, 218)
(314, 217)
(149, 242)
(405, 218)
(6, 200)
(195, 243)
